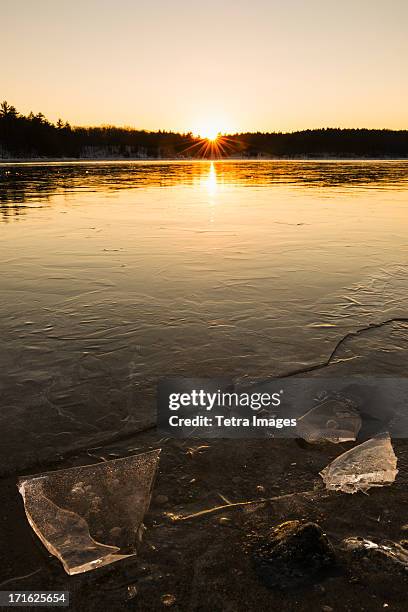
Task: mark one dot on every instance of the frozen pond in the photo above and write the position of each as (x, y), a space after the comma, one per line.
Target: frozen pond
(114, 274)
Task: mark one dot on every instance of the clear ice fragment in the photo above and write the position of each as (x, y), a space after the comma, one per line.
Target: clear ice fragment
(371, 464)
(386, 551)
(334, 420)
(92, 515)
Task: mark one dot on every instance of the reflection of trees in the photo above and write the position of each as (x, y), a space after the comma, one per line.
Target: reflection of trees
(323, 173)
(18, 188)
(11, 213)
(23, 184)
(20, 184)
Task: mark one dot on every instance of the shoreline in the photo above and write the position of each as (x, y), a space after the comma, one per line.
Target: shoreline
(178, 557)
(82, 160)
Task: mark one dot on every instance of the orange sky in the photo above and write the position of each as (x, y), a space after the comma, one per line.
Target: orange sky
(215, 65)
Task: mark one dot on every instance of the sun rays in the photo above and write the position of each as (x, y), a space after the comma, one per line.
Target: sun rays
(214, 146)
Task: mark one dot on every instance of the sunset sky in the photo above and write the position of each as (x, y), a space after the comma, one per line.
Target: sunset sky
(230, 65)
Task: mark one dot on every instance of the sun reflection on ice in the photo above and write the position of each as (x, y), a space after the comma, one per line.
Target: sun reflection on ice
(211, 180)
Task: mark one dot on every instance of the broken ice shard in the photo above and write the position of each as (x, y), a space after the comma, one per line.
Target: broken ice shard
(386, 551)
(335, 420)
(371, 464)
(92, 515)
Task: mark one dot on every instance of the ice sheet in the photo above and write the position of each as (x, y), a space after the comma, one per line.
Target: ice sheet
(333, 419)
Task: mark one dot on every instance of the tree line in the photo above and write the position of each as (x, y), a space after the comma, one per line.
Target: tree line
(33, 136)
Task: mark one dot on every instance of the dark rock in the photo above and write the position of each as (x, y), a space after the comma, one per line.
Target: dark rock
(294, 553)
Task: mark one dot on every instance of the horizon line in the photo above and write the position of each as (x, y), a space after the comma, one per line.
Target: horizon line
(191, 132)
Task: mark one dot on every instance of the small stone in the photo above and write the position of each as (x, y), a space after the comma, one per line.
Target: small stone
(161, 499)
(131, 591)
(292, 554)
(168, 600)
(327, 609)
(224, 520)
(260, 489)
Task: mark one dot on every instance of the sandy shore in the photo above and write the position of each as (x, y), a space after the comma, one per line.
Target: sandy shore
(205, 563)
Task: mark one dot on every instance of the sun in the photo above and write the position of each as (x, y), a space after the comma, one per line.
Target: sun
(209, 132)
(210, 141)
(212, 134)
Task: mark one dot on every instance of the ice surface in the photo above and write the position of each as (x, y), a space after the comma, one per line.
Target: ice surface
(91, 515)
(371, 464)
(334, 419)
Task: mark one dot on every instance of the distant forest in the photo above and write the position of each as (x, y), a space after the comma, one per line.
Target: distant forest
(33, 136)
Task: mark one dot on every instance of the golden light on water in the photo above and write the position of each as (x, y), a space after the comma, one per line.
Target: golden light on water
(212, 180)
